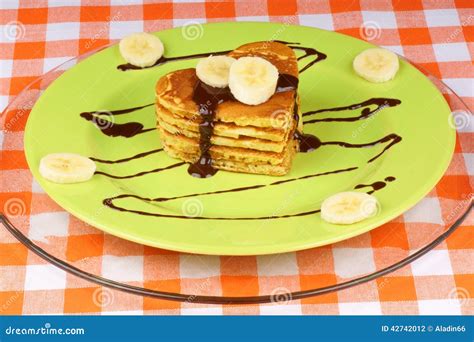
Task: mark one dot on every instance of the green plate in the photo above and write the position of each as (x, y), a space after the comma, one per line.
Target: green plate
(416, 163)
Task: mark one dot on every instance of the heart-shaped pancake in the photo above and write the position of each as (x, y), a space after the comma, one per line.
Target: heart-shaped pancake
(245, 138)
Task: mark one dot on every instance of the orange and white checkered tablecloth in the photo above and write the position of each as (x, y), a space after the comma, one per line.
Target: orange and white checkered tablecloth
(37, 35)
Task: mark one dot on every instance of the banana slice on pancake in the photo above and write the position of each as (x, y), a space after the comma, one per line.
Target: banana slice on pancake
(214, 70)
(252, 80)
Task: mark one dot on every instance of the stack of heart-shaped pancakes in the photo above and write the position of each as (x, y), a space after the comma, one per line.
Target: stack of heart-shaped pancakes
(251, 139)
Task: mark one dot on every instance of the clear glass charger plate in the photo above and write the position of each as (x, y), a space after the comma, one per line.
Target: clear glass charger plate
(101, 258)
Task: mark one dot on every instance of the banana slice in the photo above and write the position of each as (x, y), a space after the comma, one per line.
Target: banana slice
(141, 49)
(349, 207)
(66, 168)
(376, 65)
(214, 70)
(252, 80)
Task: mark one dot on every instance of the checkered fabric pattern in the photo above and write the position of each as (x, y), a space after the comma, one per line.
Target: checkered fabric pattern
(38, 35)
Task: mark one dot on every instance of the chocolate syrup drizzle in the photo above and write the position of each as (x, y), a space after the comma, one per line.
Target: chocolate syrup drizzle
(392, 140)
(123, 160)
(208, 98)
(251, 187)
(285, 83)
(376, 186)
(118, 111)
(112, 129)
(379, 102)
(163, 60)
(310, 143)
(308, 52)
(143, 173)
(109, 202)
(307, 142)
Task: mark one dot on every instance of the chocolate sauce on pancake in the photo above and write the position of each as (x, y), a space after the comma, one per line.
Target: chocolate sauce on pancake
(307, 142)
(208, 98)
(308, 52)
(286, 82)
